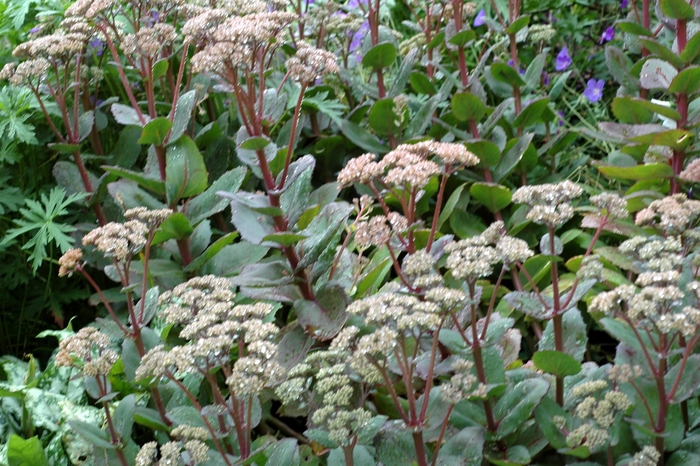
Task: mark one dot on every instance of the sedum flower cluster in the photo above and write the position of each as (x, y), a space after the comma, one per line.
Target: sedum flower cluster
(323, 383)
(408, 166)
(90, 350)
(550, 204)
(597, 407)
(214, 325)
(475, 257)
(188, 448)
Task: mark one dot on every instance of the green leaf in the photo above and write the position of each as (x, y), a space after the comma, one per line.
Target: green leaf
(687, 81)
(544, 415)
(154, 185)
(689, 380)
(619, 65)
(556, 363)
(489, 154)
(421, 84)
(692, 49)
(124, 417)
(403, 74)
(464, 448)
(21, 452)
(662, 52)
(511, 159)
(382, 117)
(68, 149)
(255, 143)
(325, 316)
(657, 74)
(155, 131)
(517, 405)
(92, 434)
(149, 418)
(176, 227)
(466, 106)
(636, 29)
(462, 38)
(493, 196)
(285, 239)
(185, 171)
(363, 138)
(283, 453)
(651, 171)
(574, 333)
(506, 74)
(533, 74)
(183, 114)
(677, 9)
(531, 114)
(126, 115)
(518, 24)
(380, 56)
(676, 139)
(159, 68)
(634, 110)
(209, 202)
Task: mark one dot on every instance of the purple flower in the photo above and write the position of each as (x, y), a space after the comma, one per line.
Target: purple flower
(608, 35)
(594, 90)
(97, 46)
(561, 117)
(511, 63)
(152, 18)
(623, 3)
(480, 18)
(356, 41)
(563, 59)
(545, 78)
(36, 29)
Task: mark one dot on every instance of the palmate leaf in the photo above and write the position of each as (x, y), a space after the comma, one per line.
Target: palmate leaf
(329, 107)
(39, 217)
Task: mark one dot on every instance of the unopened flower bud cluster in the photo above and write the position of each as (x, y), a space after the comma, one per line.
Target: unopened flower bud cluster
(92, 348)
(598, 408)
(475, 257)
(550, 204)
(214, 324)
(189, 448)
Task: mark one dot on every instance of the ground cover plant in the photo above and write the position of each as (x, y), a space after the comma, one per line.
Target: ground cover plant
(350, 233)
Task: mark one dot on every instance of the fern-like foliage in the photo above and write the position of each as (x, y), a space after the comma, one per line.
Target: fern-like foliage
(40, 218)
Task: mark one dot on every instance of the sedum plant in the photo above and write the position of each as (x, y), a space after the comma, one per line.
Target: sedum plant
(355, 233)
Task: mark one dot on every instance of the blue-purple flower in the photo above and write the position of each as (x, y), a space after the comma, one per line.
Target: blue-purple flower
(545, 78)
(511, 63)
(608, 35)
(97, 46)
(594, 90)
(563, 59)
(480, 18)
(36, 29)
(356, 41)
(623, 3)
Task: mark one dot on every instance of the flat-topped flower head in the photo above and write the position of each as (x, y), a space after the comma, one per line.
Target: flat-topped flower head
(69, 261)
(611, 204)
(309, 63)
(118, 240)
(549, 202)
(673, 214)
(91, 348)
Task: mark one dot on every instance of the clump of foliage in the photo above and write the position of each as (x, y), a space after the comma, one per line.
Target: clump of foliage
(357, 233)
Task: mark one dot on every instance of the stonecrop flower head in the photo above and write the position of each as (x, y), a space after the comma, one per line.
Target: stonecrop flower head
(91, 350)
(118, 240)
(214, 324)
(550, 203)
(69, 261)
(309, 63)
(594, 90)
(597, 408)
(673, 214)
(611, 204)
(475, 257)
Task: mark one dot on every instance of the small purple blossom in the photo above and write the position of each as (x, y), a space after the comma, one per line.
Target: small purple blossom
(608, 35)
(356, 41)
(560, 113)
(545, 78)
(563, 59)
(594, 90)
(152, 18)
(511, 63)
(623, 3)
(480, 18)
(36, 29)
(97, 46)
